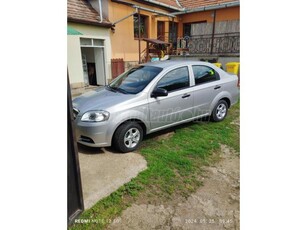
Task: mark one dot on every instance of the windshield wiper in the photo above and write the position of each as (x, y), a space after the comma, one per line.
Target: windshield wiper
(111, 88)
(121, 90)
(117, 89)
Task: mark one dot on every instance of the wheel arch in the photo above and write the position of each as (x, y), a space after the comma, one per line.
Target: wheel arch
(227, 101)
(222, 96)
(140, 122)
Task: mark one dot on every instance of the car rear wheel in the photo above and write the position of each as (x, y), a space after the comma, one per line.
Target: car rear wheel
(220, 111)
(127, 137)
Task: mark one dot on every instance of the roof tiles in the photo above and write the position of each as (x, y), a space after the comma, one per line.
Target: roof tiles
(190, 4)
(82, 11)
(170, 3)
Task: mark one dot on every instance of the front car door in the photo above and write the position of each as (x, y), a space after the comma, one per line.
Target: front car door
(178, 105)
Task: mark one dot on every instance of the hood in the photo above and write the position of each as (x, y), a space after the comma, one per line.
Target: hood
(100, 99)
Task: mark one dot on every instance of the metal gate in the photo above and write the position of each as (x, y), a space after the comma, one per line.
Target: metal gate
(75, 204)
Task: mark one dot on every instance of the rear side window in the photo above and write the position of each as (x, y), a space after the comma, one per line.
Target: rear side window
(204, 74)
(175, 79)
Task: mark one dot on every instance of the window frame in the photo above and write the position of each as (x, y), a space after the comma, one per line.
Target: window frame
(217, 75)
(146, 26)
(189, 79)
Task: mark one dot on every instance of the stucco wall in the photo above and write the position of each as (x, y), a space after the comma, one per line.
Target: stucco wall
(124, 45)
(74, 59)
(232, 13)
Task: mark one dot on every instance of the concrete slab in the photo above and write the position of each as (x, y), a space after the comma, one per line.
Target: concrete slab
(103, 171)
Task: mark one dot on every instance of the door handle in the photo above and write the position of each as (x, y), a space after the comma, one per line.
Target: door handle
(186, 95)
(217, 87)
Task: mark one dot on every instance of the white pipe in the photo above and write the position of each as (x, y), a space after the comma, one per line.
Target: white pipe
(122, 19)
(143, 8)
(162, 4)
(178, 3)
(153, 11)
(100, 10)
(212, 7)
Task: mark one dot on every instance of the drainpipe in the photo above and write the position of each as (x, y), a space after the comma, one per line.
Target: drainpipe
(143, 8)
(213, 30)
(154, 11)
(139, 27)
(213, 7)
(162, 4)
(122, 19)
(100, 10)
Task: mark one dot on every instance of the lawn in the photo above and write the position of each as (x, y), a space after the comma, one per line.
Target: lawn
(174, 167)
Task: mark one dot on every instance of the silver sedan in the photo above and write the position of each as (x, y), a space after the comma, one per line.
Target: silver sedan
(151, 97)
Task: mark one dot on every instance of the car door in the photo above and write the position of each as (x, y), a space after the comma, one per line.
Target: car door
(177, 105)
(207, 86)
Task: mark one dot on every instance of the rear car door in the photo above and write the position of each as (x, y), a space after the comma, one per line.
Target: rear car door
(207, 86)
(178, 105)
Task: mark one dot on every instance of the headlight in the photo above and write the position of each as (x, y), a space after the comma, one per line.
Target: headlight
(95, 116)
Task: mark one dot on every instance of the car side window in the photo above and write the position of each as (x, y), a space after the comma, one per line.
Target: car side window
(175, 79)
(204, 74)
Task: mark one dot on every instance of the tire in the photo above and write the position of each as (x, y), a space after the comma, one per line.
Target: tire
(219, 111)
(128, 137)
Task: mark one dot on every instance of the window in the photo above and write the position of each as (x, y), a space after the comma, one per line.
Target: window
(90, 42)
(134, 80)
(143, 26)
(195, 29)
(203, 74)
(175, 79)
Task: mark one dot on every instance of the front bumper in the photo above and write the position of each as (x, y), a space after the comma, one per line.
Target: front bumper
(93, 134)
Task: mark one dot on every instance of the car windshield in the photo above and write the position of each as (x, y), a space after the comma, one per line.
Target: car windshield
(134, 80)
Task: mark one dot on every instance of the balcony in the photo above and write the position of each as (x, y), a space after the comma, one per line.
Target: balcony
(227, 44)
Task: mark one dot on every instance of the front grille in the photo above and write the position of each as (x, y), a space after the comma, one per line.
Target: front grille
(75, 113)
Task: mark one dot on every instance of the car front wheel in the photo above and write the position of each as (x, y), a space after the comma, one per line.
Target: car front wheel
(220, 111)
(128, 137)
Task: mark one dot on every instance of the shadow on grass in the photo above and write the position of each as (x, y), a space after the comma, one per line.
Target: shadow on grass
(174, 128)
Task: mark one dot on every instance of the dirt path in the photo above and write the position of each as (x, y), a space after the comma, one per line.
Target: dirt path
(215, 205)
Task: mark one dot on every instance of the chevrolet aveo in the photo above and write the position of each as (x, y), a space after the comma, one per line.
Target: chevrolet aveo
(151, 97)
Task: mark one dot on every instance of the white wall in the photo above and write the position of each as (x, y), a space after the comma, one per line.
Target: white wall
(74, 61)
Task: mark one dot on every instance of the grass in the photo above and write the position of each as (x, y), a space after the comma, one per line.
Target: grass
(174, 168)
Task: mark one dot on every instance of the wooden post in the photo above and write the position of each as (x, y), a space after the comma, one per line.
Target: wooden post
(213, 31)
(147, 51)
(139, 25)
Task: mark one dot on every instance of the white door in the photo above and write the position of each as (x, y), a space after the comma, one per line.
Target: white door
(100, 66)
(85, 73)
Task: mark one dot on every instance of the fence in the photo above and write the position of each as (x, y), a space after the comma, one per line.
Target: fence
(118, 67)
(220, 44)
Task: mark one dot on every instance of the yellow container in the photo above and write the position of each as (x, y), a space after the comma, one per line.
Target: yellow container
(218, 64)
(233, 67)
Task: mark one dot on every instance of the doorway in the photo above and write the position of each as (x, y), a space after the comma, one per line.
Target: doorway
(92, 51)
(161, 31)
(173, 34)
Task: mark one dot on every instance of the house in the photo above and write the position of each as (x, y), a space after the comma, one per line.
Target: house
(137, 30)
(155, 20)
(210, 29)
(195, 29)
(88, 43)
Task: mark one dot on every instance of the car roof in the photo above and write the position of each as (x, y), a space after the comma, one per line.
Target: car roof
(169, 63)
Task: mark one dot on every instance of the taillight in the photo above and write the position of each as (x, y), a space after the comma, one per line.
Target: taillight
(238, 83)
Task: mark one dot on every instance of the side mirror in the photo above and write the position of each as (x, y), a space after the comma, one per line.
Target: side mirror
(159, 92)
